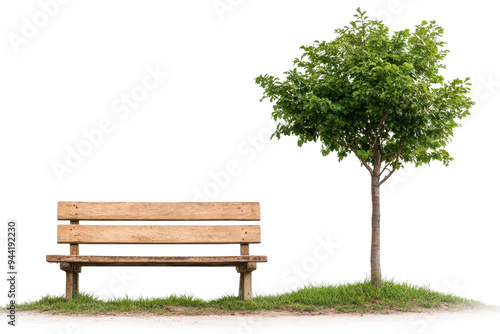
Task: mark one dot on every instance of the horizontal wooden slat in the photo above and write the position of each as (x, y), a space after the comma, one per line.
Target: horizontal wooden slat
(158, 211)
(91, 260)
(158, 234)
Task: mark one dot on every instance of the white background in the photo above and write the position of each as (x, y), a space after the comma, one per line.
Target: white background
(439, 224)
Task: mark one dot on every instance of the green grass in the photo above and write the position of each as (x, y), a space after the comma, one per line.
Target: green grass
(350, 297)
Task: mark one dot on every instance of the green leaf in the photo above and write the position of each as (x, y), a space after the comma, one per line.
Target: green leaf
(365, 83)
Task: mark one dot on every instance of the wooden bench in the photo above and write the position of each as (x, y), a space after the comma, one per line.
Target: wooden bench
(75, 234)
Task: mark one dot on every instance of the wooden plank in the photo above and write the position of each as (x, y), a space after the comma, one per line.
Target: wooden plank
(76, 284)
(245, 291)
(244, 249)
(158, 211)
(97, 260)
(158, 234)
(72, 277)
(71, 285)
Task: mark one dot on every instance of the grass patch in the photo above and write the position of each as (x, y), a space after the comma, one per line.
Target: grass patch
(351, 297)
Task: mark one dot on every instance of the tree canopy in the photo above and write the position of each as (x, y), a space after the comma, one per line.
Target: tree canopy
(375, 94)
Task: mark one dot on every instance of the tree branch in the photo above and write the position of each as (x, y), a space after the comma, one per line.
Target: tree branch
(383, 170)
(395, 162)
(379, 128)
(387, 176)
(355, 150)
(363, 161)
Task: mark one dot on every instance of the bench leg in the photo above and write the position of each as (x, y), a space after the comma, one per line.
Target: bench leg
(245, 271)
(71, 285)
(72, 272)
(245, 285)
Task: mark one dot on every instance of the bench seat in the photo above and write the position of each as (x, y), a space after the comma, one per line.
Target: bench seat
(197, 261)
(76, 234)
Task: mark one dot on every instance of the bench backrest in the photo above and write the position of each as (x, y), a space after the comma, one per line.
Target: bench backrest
(158, 234)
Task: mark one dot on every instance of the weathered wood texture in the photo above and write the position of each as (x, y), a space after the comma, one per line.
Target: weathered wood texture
(158, 234)
(244, 249)
(72, 277)
(158, 211)
(74, 249)
(97, 260)
(245, 291)
(71, 282)
(75, 234)
(245, 270)
(72, 271)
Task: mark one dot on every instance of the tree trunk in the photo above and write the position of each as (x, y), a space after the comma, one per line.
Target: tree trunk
(376, 275)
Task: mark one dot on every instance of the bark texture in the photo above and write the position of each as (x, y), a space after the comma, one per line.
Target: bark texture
(376, 275)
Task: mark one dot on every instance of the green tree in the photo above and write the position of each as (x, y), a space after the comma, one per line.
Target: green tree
(376, 95)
